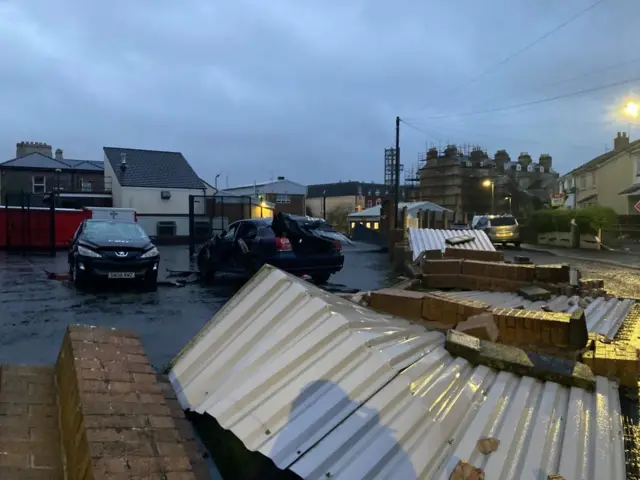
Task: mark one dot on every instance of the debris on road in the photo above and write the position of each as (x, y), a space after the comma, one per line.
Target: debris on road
(488, 445)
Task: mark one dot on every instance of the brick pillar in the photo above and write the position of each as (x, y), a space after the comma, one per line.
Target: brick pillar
(114, 418)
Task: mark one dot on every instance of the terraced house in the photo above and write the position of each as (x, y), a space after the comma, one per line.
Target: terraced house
(611, 179)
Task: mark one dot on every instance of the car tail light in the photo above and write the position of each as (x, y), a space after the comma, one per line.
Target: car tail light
(283, 244)
(338, 245)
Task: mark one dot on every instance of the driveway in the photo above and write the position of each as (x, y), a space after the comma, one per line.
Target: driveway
(35, 310)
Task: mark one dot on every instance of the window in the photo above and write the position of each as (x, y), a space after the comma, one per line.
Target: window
(377, 193)
(282, 198)
(353, 224)
(358, 208)
(638, 166)
(378, 201)
(593, 179)
(583, 182)
(369, 203)
(86, 185)
(231, 232)
(166, 229)
(248, 230)
(39, 184)
(368, 224)
(375, 225)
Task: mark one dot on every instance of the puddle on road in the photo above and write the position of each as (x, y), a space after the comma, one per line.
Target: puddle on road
(36, 310)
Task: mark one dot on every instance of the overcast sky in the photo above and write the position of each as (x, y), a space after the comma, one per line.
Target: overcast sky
(253, 89)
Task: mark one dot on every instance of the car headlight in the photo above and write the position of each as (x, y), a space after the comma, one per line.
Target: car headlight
(85, 252)
(151, 253)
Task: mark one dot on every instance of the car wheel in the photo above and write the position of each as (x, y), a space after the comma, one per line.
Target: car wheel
(205, 266)
(320, 278)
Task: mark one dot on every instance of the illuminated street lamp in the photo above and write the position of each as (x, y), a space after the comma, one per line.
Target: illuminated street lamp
(489, 183)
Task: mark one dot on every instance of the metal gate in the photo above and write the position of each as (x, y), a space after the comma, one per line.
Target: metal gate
(211, 214)
(28, 227)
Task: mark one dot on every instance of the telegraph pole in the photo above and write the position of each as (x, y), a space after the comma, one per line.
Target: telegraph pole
(396, 201)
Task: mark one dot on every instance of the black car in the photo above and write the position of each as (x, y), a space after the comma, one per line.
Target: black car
(112, 250)
(298, 245)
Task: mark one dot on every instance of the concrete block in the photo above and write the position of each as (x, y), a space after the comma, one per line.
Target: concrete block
(427, 255)
(442, 267)
(519, 361)
(438, 307)
(481, 326)
(469, 254)
(552, 273)
(402, 303)
(411, 270)
(614, 360)
(534, 293)
(440, 281)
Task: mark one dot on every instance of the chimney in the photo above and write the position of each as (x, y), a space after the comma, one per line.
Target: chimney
(451, 151)
(621, 141)
(501, 157)
(545, 160)
(432, 153)
(27, 148)
(280, 178)
(524, 159)
(59, 154)
(123, 161)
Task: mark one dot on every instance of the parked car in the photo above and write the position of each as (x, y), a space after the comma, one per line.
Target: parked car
(112, 250)
(298, 245)
(501, 229)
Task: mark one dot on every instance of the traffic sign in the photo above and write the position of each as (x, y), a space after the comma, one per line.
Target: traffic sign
(637, 206)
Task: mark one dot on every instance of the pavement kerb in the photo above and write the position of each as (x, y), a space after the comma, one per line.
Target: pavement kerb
(581, 259)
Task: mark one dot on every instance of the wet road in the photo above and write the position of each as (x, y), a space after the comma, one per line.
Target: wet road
(623, 282)
(35, 310)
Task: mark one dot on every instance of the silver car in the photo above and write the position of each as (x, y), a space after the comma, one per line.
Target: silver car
(501, 229)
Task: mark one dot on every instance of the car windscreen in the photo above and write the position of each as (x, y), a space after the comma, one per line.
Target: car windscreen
(105, 231)
(503, 221)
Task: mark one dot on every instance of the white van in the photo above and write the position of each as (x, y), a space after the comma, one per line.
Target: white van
(107, 213)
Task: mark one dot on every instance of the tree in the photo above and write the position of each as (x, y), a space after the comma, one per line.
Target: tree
(337, 217)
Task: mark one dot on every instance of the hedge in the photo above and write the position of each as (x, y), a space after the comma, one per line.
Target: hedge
(588, 220)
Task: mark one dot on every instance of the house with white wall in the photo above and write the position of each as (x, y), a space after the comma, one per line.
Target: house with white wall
(157, 185)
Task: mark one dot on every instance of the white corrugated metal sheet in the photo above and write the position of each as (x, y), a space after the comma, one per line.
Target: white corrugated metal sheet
(603, 316)
(331, 389)
(421, 239)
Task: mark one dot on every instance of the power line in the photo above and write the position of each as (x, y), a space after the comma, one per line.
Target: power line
(510, 57)
(532, 44)
(540, 101)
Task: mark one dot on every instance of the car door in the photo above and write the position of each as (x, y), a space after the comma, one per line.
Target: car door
(244, 251)
(223, 250)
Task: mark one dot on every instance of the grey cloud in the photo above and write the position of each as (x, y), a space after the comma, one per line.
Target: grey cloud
(306, 89)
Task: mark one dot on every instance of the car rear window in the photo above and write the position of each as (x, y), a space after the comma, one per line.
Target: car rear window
(113, 231)
(503, 221)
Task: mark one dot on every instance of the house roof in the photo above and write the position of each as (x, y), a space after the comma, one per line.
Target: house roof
(412, 208)
(39, 161)
(343, 189)
(153, 169)
(280, 186)
(600, 160)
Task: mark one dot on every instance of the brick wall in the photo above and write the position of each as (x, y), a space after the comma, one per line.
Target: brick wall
(114, 417)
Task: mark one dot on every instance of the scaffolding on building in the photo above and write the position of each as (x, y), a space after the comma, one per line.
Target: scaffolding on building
(390, 167)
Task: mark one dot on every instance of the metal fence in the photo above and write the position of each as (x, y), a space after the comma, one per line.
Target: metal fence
(210, 214)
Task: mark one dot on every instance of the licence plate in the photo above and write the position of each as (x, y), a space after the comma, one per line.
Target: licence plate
(504, 234)
(122, 275)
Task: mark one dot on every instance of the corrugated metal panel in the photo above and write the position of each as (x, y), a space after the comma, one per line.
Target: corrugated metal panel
(330, 389)
(603, 316)
(421, 239)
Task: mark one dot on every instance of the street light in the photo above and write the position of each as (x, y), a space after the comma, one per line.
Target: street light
(488, 183)
(508, 199)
